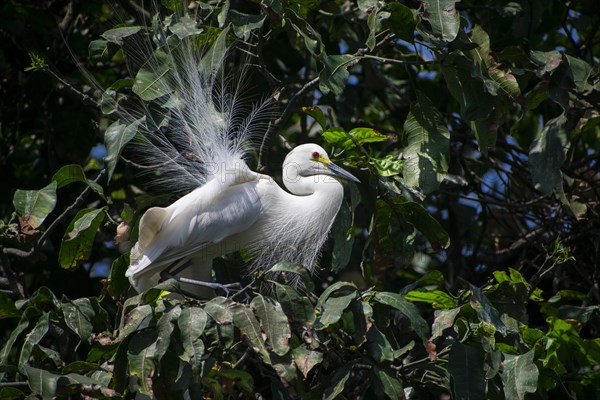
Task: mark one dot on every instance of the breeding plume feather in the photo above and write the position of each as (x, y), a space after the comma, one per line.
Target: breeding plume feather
(196, 132)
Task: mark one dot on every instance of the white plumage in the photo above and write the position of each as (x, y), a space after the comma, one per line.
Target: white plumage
(197, 142)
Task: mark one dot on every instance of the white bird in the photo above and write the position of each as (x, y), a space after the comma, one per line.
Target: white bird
(196, 134)
(243, 210)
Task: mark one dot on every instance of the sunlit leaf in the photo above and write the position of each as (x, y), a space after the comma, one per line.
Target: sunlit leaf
(33, 206)
(274, 323)
(77, 244)
(520, 375)
(443, 18)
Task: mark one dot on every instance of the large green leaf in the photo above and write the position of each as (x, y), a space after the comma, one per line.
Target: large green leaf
(78, 316)
(297, 307)
(378, 346)
(389, 383)
(165, 328)
(117, 135)
(77, 243)
(465, 364)
(409, 310)
(402, 21)
(334, 75)
(192, 323)
(140, 358)
(117, 35)
(74, 173)
(547, 155)
(154, 79)
(33, 206)
(486, 311)
(520, 375)
(427, 150)
(32, 338)
(245, 320)
(41, 382)
(443, 17)
(212, 59)
(274, 323)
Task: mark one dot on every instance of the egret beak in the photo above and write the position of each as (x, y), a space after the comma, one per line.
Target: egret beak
(342, 173)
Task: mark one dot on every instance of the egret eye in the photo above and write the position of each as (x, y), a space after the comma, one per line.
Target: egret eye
(315, 155)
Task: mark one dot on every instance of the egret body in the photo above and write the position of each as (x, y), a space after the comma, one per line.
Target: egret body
(243, 209)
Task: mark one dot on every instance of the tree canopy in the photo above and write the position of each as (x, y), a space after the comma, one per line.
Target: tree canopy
(465, 264)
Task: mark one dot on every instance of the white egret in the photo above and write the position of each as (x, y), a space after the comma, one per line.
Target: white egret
(196, 135)
(243, 210)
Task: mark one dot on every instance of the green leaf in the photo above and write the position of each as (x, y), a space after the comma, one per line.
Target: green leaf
(334, 75)
(520, 375)
(117, 281)
(427, 151)
(140, 358)
(117, 35)
(192, 323)
(443, 320)
(11, 393)
(378, 346)
(343, 238)
(296, 269)
(436, 298)
(547, 155)
(317, 114)
(474, 100)
(408, 309)
(185, 27)
(165, 328)
(32, 338)
(274, 322)
(77, 243)
(153, 80)
(418, 217)
(389, 382)
(74, 173)
(333, 307)
(244, 24)
(33, 206)
(305, 359)
(298, 308)
(117, 135)
(337, 381)
(402, 21)
(7, 307)
(581, 72)
(14, 335)
(78, 316)
(219, 309)
(465, 364)
(390, 165)
(42, 383)
(242, 378)
(133, 321)
(101, 50)
(486, 312)
(212, 60)
(443, 18)
(246, 322)
(81, 366)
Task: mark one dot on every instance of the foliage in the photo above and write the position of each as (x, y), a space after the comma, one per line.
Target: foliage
(465, 264)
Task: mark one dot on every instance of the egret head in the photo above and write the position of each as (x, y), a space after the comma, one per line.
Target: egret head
(309, 164)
